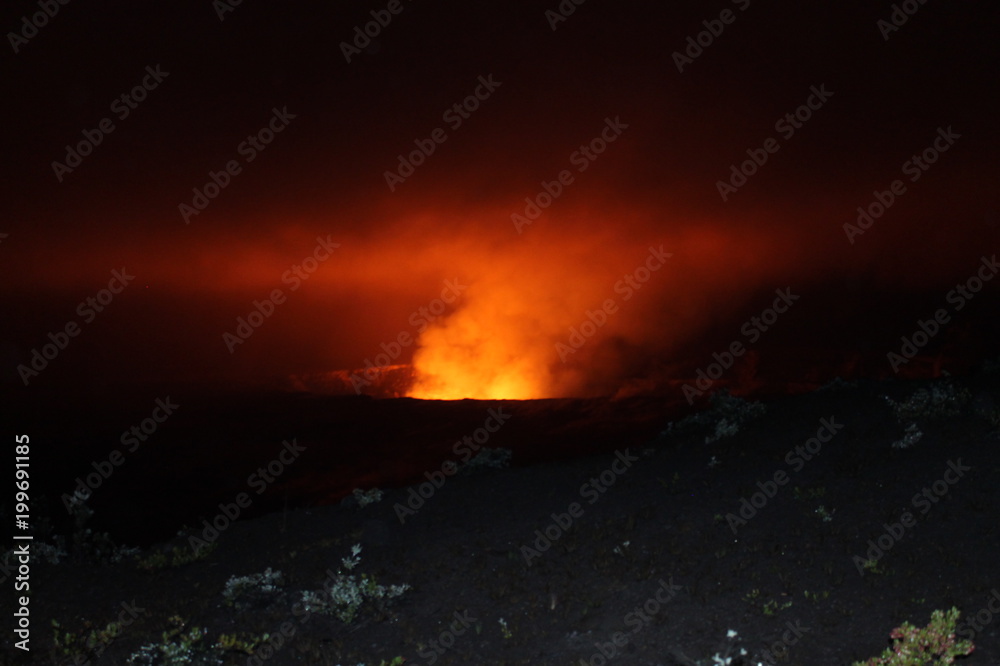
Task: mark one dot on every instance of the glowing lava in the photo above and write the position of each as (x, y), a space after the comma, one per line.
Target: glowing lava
(482, 351)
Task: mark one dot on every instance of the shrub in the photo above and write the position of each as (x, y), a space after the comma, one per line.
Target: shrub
(86, 645)
(344, 594)
(934, 644)
(942, 400)
(726, 413)
(487, 459)
(241, 591)
(366, 497)
(175, 557)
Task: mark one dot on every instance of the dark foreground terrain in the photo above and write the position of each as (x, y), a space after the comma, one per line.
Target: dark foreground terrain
(642, 554)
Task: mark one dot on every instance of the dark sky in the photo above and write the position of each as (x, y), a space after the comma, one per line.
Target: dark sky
(323, 177)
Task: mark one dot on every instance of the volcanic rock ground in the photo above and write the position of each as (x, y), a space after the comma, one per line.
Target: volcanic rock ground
(653, 555)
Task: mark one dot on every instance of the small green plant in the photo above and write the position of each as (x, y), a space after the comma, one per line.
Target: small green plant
(354, 559)
(771, 607)
(816, 596)
(934, 644)
(808, 493)
(913, 434)
(871, 566)
(825, 515)
(672, 486)
(504, 629)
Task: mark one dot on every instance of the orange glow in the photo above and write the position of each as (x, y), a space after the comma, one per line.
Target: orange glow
(481, 351)
(522, 298)
(511, 335)
(506, 335)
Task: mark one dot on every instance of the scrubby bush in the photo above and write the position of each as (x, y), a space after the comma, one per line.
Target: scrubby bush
(726, 415)
(344, 594)
(243, 590)
(487, 459)
(940, 401)
(934, 644)
(85, 645)
(173, 557)
(366, 497)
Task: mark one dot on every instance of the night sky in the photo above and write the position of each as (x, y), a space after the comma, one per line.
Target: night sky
(191, 164)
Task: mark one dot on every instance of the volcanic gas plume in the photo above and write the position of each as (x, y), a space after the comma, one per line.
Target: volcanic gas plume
(552, 314)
